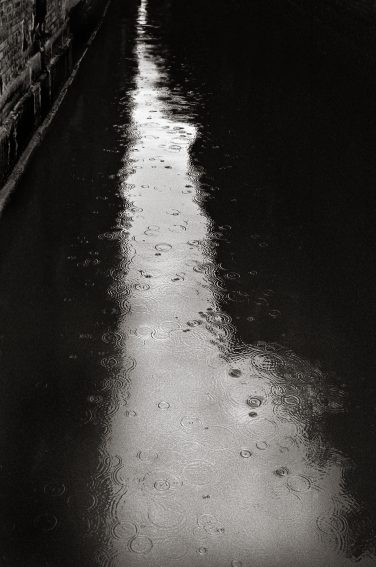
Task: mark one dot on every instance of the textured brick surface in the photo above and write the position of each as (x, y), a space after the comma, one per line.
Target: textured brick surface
(36, 57)
(22, 23)
(19, 33)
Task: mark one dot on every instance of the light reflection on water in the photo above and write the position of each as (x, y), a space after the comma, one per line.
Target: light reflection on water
(214, 449)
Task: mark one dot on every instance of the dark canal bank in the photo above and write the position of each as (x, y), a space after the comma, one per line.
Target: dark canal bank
(187, 302)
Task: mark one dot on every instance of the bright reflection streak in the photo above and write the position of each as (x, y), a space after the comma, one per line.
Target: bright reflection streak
(213, 453)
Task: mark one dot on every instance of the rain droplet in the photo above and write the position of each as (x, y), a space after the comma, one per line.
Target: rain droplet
(191, 423)
(236, 563)
(235, 372)
(163, 405)
(177, 228)
(245, 453)
(274, 313)
(210, 524)
(54, 489)
(162, 485)
(163, 247)
(291, 400)
(130, 413)
(140, 544)
(147, 456)
(142, 286)
(232, 275)
(299, 483)
(202, 550)
(194, 323)
(282, 471)
(254, 402)
(262, 445)
(253, 414)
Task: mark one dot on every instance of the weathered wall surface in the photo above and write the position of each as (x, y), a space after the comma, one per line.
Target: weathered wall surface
(37, 40)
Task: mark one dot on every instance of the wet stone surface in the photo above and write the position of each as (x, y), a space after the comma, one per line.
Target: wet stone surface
(179, 386)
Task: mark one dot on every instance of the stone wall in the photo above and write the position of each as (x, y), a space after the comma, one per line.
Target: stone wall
(37, 51)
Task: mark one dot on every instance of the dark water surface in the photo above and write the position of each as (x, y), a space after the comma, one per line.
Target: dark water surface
(186, 291)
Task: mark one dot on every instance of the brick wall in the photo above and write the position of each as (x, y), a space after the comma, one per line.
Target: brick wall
(19, 28)
(39, 41)
(16, 24)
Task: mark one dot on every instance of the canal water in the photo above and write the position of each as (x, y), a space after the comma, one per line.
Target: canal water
(185, 307)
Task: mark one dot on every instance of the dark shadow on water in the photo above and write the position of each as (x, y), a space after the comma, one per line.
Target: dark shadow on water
(286, 121)
(57, 317)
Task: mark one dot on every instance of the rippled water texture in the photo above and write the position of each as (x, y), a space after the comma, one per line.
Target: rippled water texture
(164, 401)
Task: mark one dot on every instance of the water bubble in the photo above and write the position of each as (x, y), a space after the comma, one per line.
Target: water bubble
(109, 363)
(232, 275)
(162, 481)
(54, 489)
(254, 402)
(218, 318)
(282, 471)
(110, 337)
(191, 423)
(162, 485)
(194, 242)
(235, 372)
(142, 286)
(140, 544)
(177, 228)
(335, 527)
(202, 550)
(194, 323)
(237, 296)
(163, 247)
(95, 399)
(331, 524)
(267, 362)
(173, 212)
(124, 530)
(299, 483)
(274, 313)
(291, 400)
(147, 456)
(253, 414)
(245, 453)
(261, 301)
(163, 405)
(210, 524)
